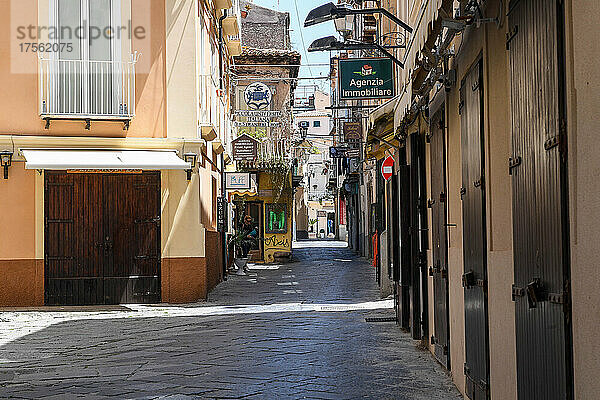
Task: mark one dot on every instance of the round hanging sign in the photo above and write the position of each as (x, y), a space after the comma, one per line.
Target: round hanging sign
(258, 96)
(387, 168)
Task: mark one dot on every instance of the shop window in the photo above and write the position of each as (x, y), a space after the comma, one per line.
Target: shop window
(276, 218)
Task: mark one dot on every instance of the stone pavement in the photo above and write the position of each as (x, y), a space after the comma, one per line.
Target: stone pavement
(292, 331)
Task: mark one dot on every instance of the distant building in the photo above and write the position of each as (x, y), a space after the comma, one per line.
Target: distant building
(264, 63)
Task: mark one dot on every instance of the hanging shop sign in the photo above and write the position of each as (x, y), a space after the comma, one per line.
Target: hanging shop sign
(237, 180)
(245, 148)
(352, 131)
(353, 152)
(337, 152)
(222, 214)
(257, 123)
(387, 168)
(258, 113)
(258, 96)
(366, 78)
(354, 166)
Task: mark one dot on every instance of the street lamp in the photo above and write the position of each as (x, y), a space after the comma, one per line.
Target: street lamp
(303, 132)
(330, 11)
(190, 158)
(6, 161)
(330, 43)
(344, 25)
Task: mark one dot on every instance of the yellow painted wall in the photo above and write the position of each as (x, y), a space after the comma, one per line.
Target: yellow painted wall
(17, 216)
(182, 232)
(181, 68)
(274, 242)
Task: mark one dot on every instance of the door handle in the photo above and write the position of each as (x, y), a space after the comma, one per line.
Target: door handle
(107, 244)
(534, 292)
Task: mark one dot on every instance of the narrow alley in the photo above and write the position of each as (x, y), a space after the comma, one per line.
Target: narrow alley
(295, 330)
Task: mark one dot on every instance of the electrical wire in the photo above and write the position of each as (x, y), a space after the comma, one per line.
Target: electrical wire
(301, 34)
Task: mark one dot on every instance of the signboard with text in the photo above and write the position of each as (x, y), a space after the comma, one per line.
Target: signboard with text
(366, 78)
(237, 180)
(245, 148)
(337, 152)
(221, 214)
(353, 152)
(352, 131)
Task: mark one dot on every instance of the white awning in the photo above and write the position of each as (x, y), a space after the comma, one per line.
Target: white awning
(403, 104)
(428, 14)
(102, 159)
(383, 110)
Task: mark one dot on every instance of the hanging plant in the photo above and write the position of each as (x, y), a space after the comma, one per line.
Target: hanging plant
(279, 180)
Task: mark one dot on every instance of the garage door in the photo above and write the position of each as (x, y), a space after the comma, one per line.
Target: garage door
(102, 238)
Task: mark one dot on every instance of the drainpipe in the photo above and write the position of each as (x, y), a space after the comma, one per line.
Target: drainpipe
(221, 18)
(223, 193)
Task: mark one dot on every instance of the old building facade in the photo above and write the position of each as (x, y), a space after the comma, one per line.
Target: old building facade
(483, 232)
(264, 77)
(112, 145)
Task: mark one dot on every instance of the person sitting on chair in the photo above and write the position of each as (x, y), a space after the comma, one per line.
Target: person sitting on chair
(249, 235)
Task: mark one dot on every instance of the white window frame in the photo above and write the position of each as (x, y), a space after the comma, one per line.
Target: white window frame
(116, 45)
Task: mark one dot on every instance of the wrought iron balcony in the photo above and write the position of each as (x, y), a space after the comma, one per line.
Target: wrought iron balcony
(273, 152)
(86, 90)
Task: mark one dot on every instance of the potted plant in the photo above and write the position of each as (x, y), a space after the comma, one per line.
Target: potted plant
(312, 223)
(240, 262)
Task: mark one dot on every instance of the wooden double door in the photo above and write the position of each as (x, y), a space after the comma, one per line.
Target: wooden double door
(102, 238)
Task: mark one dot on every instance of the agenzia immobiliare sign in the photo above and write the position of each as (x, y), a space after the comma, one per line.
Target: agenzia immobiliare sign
(366, 78)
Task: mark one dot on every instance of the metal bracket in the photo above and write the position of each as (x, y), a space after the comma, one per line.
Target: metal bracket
(442, 197)
(511, 35)
(463, 191)
(552, 142)
(557, 298)
(534, 292)
(453, 24)
(517, 292)
(513, 163)
(88, 121)
(430, 203)
(468, 279)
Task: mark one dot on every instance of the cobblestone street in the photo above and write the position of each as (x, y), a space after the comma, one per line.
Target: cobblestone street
(294, 331)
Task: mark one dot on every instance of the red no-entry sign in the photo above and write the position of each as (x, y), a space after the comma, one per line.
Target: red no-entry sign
(387, 168)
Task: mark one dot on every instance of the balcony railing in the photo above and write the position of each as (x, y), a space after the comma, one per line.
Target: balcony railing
(87, 89)
(273, 152)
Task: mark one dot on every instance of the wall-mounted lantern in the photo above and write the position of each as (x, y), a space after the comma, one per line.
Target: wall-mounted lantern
(330, 11)
(6, 161)
(190, 158)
